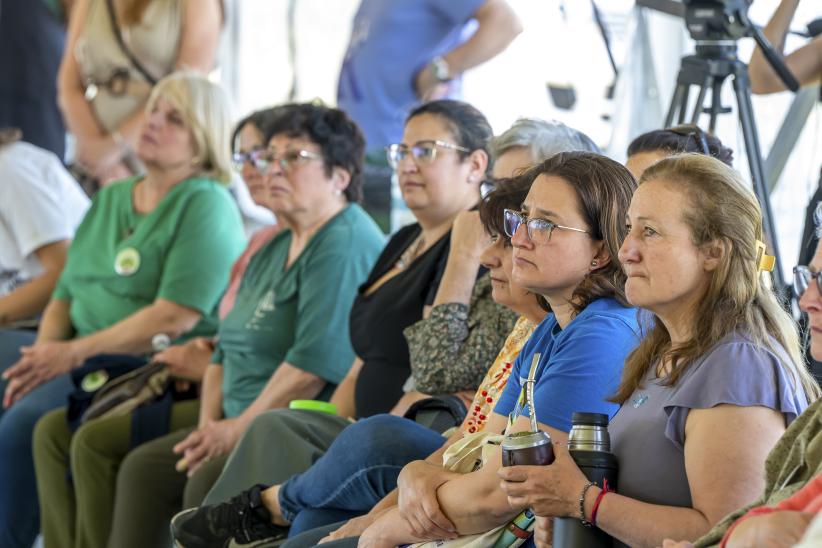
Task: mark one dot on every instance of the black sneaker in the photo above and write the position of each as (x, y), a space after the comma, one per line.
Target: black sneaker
(243, 519)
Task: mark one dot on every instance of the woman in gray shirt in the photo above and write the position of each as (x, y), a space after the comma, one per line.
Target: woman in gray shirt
(714, 383)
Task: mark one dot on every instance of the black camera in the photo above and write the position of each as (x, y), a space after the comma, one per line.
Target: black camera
(709, 20)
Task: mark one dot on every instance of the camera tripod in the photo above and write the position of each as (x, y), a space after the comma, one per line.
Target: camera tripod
(707, 70)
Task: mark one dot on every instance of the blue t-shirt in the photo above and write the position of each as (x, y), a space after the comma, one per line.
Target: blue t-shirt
(391, 40)
(579, 367)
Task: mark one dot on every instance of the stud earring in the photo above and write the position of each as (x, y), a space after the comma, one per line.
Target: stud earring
(594, 263)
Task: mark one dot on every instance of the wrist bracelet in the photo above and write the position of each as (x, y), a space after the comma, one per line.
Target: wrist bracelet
(596, 507)
(584, 521)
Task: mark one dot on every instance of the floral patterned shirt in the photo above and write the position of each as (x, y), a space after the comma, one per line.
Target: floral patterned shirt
(453, 347)
(494, 382)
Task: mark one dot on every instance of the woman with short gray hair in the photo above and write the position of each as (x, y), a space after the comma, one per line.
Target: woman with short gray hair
(531, 140)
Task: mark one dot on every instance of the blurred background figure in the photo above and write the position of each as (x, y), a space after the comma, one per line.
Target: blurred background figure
(115, 52)
(401, 53)
(32, 35)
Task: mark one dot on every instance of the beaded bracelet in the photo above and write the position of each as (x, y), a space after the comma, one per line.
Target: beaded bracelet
(584, 521)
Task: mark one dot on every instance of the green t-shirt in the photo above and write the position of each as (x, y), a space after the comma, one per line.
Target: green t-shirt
(182, 251)
(298, 315)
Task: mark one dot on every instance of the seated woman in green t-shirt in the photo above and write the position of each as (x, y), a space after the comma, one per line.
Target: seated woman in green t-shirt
(285, 336)
(151, 256)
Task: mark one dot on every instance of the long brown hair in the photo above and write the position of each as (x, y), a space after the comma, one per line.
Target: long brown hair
(604, 188)
(720, 209)
(133, 10)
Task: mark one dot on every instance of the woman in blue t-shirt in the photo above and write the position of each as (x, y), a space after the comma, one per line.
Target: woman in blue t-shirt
(715, 381)
(565, 240)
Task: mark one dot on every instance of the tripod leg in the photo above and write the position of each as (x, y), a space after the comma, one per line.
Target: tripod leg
(676, 103)
(683, 105)
(700, 100)
(716, 102)
(742, 90)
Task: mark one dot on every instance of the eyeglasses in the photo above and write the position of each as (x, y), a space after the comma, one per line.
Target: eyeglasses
(802, 277)
(424, 152)
(262, 159)
(539, 230)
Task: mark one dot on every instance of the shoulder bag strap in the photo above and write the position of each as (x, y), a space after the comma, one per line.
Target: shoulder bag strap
(119, 36)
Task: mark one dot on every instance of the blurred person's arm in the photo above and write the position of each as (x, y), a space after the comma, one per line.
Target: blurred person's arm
(343, 396)
(805, 63)
(29, 300)
(55, 324)
(288, 383)
(134, 333)
(498, 25)
(211, 395)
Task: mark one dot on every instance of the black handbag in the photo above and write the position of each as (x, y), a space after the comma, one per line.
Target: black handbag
(112, 385)
(439, 413)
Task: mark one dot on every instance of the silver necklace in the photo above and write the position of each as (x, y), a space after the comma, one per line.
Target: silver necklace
(410, 253)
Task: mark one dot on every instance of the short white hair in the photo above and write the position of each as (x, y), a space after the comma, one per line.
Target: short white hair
(543, 138)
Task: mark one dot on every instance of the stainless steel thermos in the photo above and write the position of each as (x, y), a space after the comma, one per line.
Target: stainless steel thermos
(590, 447)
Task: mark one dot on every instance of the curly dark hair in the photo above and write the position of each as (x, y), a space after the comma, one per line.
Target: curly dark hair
(339, 138)
(684, 138)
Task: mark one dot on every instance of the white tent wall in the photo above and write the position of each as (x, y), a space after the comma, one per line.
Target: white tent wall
(553, 48)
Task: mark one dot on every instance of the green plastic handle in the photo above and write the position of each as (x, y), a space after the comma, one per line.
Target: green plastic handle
(314, 405)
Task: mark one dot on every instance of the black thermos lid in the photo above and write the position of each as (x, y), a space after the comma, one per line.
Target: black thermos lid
(593, 419)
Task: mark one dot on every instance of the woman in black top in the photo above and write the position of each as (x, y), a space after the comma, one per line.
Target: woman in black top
(440, 164)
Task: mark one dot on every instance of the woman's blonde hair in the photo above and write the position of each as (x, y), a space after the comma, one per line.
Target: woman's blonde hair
(206, 111)
(721, 210)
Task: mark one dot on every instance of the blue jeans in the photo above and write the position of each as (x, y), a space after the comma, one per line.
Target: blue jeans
(360, 468)
(19, 513)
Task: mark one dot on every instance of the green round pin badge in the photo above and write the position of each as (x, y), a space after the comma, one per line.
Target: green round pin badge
(93, 381)
(127, 261)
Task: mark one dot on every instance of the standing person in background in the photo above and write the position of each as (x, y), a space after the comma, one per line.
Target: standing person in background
(32, 35)
(805, 63)
(401, 53)
(104, 84)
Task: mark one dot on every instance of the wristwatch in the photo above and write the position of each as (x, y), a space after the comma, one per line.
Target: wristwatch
(440, 69)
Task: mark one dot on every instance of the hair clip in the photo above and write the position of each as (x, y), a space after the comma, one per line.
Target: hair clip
(766, 262)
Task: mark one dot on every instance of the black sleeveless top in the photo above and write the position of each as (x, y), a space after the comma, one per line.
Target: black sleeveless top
(377, 320)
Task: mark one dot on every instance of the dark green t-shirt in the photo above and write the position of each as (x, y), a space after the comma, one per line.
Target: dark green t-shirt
(297, 315)
(182, 251)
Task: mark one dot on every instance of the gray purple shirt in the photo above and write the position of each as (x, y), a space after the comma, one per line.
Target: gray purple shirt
(648, 432)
